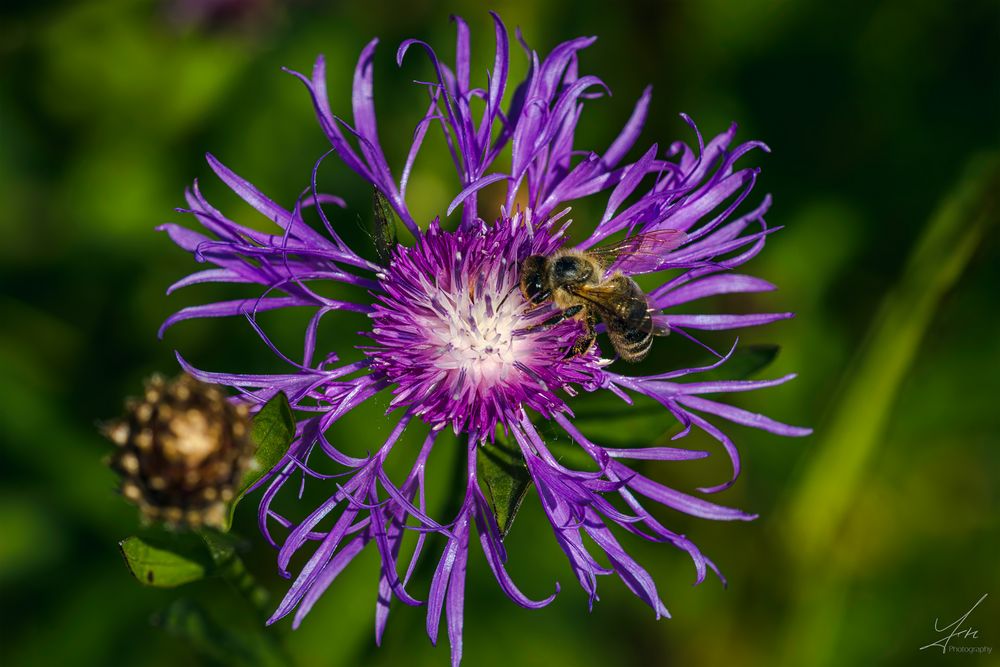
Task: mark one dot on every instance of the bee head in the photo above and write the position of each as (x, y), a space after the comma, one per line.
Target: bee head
(533, 283)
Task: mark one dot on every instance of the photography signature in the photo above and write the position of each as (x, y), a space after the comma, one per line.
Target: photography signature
(959, 629)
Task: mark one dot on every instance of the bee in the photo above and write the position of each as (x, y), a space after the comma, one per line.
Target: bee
(590, 286)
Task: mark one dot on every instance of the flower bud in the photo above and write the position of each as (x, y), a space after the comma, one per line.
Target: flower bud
(181, 451)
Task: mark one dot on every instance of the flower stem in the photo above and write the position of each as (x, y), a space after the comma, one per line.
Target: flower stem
(230, 567)
(236, 574)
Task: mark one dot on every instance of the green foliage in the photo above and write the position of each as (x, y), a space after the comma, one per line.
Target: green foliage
(385, 225)
(166, 560)
(948, 241)
(852, 437)
(272, 431)
(502, 470)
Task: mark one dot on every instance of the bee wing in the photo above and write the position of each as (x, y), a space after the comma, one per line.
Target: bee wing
(641, 253)
(626, 317)
(613, 303)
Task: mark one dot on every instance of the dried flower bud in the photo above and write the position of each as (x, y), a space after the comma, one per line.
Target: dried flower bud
(182, 450)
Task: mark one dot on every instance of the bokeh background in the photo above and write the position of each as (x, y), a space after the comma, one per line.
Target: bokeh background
(882, 117)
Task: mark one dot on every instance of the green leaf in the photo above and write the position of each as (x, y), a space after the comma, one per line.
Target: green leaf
(273, 430)
(167, 560)
(384, 226)
(502, 468)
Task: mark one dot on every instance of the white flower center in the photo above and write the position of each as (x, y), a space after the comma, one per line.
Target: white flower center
(473, 335)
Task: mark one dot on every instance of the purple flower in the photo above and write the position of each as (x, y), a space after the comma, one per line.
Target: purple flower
(457, 345)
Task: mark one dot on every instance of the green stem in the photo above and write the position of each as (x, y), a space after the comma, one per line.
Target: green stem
(824, 494)
(231, 568)
(236, 574)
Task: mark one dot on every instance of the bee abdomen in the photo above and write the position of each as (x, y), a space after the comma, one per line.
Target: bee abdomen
(632, 344)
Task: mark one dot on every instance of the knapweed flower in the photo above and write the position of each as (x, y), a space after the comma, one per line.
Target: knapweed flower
(455, 342)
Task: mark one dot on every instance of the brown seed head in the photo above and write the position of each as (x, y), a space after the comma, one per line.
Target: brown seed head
(181, 452)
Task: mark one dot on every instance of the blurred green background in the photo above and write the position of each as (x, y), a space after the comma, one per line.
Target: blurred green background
(881, 117)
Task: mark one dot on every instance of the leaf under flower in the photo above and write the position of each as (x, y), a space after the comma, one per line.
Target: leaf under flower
(273, 430)
(166, 561)
(502, 469)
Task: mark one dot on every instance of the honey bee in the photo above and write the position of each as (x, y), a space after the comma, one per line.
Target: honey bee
(590, 286)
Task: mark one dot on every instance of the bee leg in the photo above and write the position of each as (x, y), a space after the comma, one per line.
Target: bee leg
(585, 341)
(538, 299)
(572, 311)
